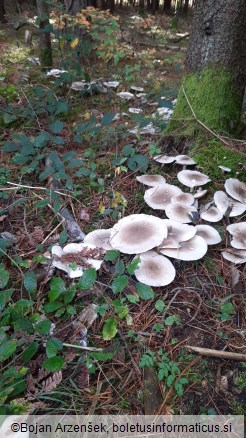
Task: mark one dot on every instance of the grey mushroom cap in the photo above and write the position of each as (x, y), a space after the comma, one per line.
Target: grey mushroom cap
(227, 205)
(192, 178)
(237, 256)
(154, 269)
(138, 233)
(193, 249)
(181, 213)
(236, 189)
(160, 196)
(183, 198)
(212, 215)
(208, 233)
(151, 180)
(238, 231)
(164, 159)
(177, 233)
(99, 238)
(184, 160)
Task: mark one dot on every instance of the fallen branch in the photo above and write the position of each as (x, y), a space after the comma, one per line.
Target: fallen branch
(73, 228)
(217, 353)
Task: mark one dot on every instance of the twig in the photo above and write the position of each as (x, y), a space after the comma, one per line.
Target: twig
(217, 353)
(201, 123)
(80, 347)
(47, 237)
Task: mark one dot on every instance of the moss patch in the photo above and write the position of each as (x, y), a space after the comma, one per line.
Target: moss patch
(214, 100)
(214, 154)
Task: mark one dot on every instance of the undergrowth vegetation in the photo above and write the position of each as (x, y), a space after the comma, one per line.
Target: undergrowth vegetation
(63, 337)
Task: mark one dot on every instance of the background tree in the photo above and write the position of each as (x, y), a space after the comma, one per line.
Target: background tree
(2, 11)
(45, 50)
(215, 66)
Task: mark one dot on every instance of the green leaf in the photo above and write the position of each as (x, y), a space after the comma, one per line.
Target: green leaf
(57, 205)
(131, 268)
(54, 363)
(74, 163)
(132, 298)
(63, 237)
(179, 389)
(43, 327)
(128, 150)
(138, 162)
(145, 292)
(42, 139)
(119, 283)
(42, 203)
(160, 305)
(23, 324)
(53, 346)
(109, 328)
(170, 380)
(111, 255)
(107, 119)
(30, 282)
(88, 279)
(52, 307)
(102, 356)
(4, 276)
(7, 349)
(5, 296)
(170, 320)
(57, 126)
(9, 118)
(10, 146)
(30, 351)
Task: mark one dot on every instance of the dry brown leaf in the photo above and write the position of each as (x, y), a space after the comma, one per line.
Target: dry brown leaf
(83, 378)
(52, 381)
(84, 214)
(37, 235)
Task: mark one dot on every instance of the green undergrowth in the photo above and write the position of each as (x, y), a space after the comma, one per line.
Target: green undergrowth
(213, 99)
(213, 155)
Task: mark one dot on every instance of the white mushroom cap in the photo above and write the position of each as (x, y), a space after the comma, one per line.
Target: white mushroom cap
(212, 215)
(160, 196)
(183, 198)
(193, 249)
(138, 233)
(237, 256)
(224, 168)
(6, 430)
(74, 248)
(192, 178)
(154, 269)
(208, 233)
(57, 252)
(99, 238)
(134, 88)
(151, 180)
(164, 159)
(199, 194)
(176, 233)
(224, 204)
(181, 213)
(238, 231)
(236, 189)
(184, 160)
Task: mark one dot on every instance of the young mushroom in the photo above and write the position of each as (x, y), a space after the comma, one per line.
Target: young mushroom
(164, 159)
(154, 269)
(160, 196)
(192, 178)
(185, 161)
(151, 180)
(137, 233)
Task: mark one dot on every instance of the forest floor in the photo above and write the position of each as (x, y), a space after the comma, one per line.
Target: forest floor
(96, 160)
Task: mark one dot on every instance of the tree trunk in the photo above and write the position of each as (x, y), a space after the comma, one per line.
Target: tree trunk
(10, 9)
(167, 6)
(73, 6)
(45, 50)
(185, 7)
(2, 12)
(141, 7)
(215, 67)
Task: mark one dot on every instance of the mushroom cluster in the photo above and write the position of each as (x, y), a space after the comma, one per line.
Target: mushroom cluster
(154, 240)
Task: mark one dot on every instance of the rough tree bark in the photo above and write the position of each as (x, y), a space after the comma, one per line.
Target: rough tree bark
(10, 9)
(167, 6)
(215, 66)
(45, 49)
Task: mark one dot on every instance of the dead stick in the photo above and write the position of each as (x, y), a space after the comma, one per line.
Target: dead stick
(217, 353)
